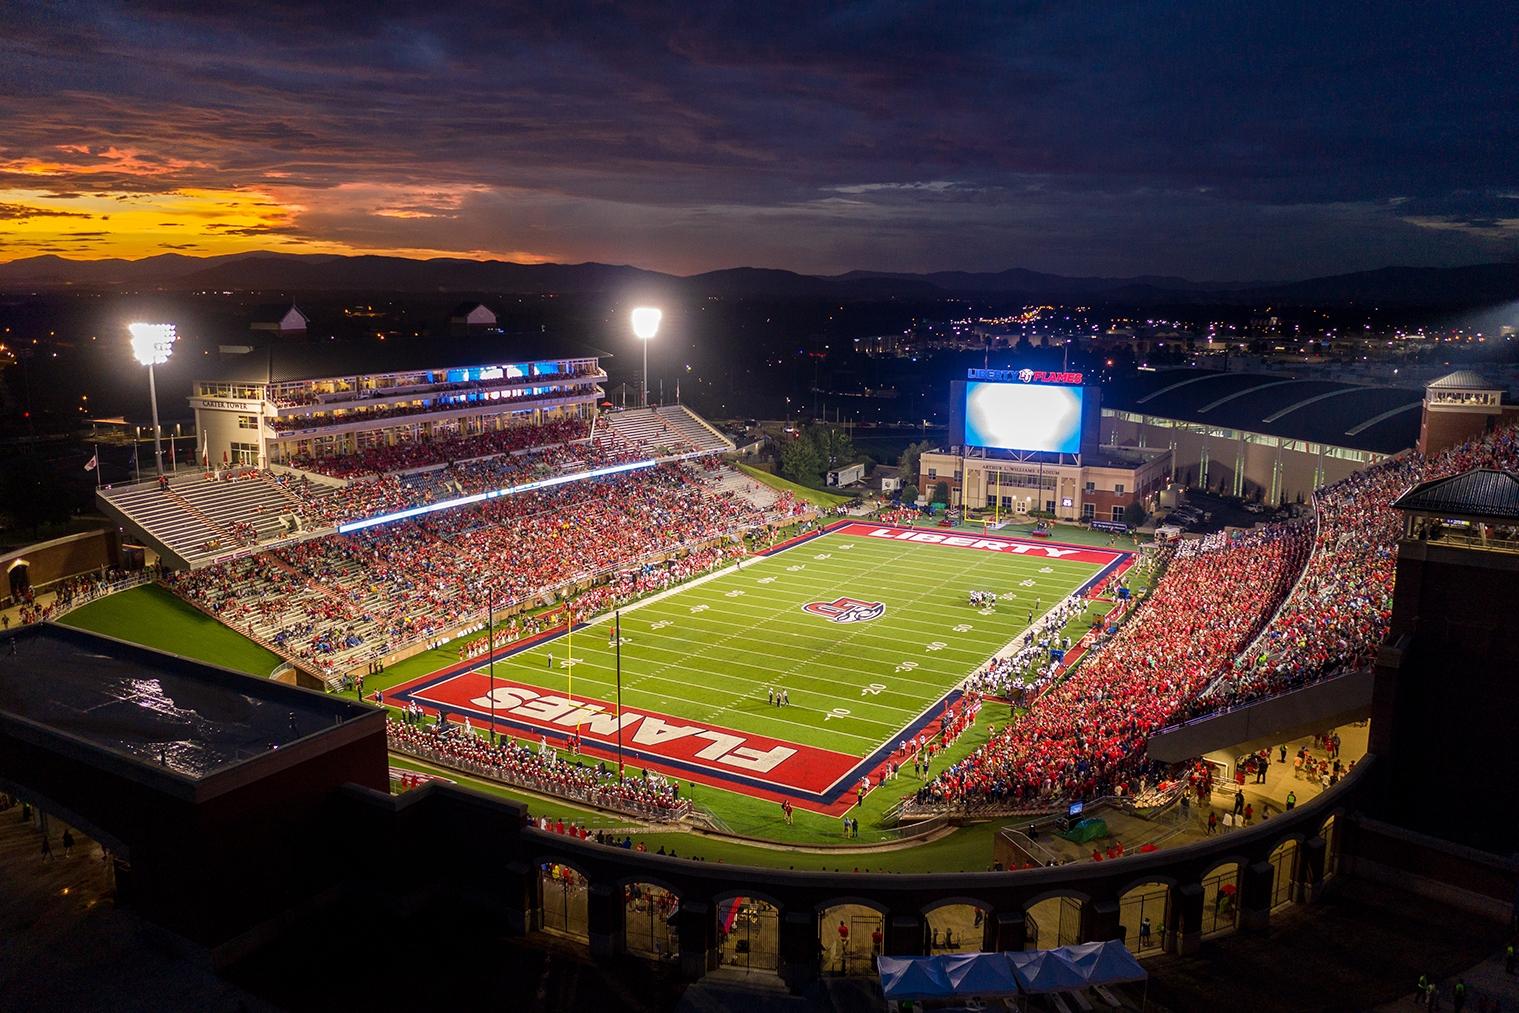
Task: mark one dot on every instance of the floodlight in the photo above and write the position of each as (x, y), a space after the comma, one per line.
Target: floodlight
(646, 322)
(152, 343)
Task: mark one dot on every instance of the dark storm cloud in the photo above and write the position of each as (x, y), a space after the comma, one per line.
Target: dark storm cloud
(1216, 140)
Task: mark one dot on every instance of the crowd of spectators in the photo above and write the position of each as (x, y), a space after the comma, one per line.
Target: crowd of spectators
(425, 453)
(1212, 636)
(1085, 737)
(324, 599)
(1337, 616)
(648, 797)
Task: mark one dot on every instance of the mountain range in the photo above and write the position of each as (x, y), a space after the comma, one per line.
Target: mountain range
(1474, 285)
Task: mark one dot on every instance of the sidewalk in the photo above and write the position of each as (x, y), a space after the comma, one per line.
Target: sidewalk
(1486, 984)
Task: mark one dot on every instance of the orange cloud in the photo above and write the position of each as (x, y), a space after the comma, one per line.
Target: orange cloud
(208, 221)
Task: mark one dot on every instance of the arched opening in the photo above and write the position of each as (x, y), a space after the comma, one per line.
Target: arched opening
(1221, 899)
(851, 936)
(1283, 873)
(19, 577)
(1053, 922)
(958, 927)
(648, 922)
(1330, 832)
(562, 898)
(1142, 913)
(749, 930)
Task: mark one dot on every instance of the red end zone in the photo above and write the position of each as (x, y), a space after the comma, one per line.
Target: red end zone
(984, 543)
(697, 751)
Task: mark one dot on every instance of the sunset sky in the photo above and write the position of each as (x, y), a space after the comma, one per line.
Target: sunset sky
(1224, 142)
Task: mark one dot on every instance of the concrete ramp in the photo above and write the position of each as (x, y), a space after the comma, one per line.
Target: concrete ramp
(1269, 722)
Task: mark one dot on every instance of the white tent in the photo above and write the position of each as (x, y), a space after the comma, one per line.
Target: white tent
(913, 978)
(980, 974)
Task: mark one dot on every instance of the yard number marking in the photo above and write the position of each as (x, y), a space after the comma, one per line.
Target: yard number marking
(874, 689)
(837, 712)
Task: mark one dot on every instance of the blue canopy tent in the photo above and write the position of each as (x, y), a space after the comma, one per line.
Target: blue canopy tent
(1108, 963)
(1041, 971)
(989, 975)
(913, 978)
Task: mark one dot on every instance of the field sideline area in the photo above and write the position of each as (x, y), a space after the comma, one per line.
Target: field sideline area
(867, 629)
(700, 658)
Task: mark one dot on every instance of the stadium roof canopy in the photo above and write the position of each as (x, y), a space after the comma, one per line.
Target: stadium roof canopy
(279, 361)
(1481, 493)
(1382, 420)
(1463, 379)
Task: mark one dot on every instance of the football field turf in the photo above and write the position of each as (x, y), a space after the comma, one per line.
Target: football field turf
(867, 629)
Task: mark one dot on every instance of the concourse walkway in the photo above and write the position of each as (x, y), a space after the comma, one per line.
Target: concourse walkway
(1270, 798)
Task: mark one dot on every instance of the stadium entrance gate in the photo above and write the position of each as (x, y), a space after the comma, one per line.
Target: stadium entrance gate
(751, 935)
(647, 916)
(564, 901)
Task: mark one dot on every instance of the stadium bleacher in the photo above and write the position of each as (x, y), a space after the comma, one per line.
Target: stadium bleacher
(671, 427)
(196, 518)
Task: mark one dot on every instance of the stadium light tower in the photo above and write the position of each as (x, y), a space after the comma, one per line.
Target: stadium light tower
(152, 345)
(645, 326)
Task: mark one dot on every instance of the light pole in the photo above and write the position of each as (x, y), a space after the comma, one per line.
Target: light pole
(645, 326)
(151, 345)
(490, 646)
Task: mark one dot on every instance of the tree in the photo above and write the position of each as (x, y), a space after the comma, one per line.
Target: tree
(941, 493)
(833, 444)
(799, 461)
(909, 494)
(907, 467)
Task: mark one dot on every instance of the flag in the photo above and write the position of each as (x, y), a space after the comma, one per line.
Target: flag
(93, 462)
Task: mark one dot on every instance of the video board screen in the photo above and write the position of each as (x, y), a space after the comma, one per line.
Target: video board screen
(1023, 416)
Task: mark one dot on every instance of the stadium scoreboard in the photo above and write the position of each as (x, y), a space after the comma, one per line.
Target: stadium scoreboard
(1027, 410)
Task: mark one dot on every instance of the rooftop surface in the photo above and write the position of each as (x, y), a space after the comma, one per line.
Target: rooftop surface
(1482, 492)
(189, 719)
(1383, 420)
(281, 360)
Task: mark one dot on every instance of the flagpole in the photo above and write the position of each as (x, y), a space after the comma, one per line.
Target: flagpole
(617, 627)
(490, 643)
(569, 651)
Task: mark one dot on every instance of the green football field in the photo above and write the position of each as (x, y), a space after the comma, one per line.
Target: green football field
(865, 635)
(711, 651)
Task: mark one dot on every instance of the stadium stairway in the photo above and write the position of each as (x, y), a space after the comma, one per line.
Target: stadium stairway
(161, 521)
(196, 520)
(674, 428)
(640, 428)
(692, 429)
(1270, 721)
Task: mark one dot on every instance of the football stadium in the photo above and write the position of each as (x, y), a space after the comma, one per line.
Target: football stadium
(727, 723)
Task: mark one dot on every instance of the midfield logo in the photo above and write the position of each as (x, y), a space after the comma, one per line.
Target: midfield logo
(846, 610)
